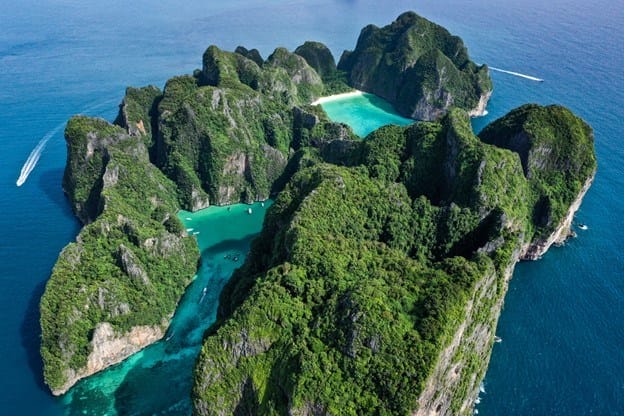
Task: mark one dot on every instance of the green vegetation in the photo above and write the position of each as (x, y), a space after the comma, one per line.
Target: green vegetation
(129, 266)
(224, 136)
(417, 66)
(556, 149)
(221, 136)
(363, 273)
(340, 321)
(319, 57)
(138, 109)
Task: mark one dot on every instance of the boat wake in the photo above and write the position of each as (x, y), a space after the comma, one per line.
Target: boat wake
(517, 74)
(35, 154)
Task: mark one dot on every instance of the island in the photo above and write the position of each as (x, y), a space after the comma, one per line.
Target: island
(376, 283)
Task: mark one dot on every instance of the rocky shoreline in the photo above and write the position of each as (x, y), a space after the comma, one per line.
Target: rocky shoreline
(109, 348)
(537, 249)
(437, 395)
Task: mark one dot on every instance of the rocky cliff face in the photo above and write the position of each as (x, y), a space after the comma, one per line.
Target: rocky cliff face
(224, 136)
(454, 382)
(540, 136)
(113, 291)
(556, 149)
(417, 66)
(454, 385)
(536, 249)
(109, 348)
(319, 57)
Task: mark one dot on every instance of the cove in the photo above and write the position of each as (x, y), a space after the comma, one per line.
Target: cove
(158, 379)
(365, 112)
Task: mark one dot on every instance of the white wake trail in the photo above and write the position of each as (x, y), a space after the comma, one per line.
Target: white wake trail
(35, 154)
(517, 74)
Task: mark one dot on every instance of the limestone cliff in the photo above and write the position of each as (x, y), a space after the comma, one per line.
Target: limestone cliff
(224, 136)
(113, 291)
(556, 149)
(319, 57)
(109, 348)
(417, 66)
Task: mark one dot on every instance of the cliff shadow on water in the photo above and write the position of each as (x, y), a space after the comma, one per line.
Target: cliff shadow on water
(48, 182)
(30, 335)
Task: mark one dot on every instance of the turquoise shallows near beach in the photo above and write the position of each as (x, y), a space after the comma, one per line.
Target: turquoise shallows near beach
(363, 112)
(561, 326)
(157, 380)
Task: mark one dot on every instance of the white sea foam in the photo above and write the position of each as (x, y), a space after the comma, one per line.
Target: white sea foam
(517, 74)
(34, 156)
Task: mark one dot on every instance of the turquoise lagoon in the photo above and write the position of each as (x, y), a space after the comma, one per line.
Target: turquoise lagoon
(365, 113)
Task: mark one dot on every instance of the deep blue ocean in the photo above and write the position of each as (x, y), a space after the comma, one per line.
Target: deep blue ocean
(563, 321)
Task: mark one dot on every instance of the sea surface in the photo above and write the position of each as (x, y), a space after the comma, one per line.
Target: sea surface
(562, 331)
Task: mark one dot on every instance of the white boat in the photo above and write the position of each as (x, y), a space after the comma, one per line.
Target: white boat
(497, 339)
(582, 226)
(249, 211)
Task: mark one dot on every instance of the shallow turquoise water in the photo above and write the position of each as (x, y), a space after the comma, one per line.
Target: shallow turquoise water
(364, 113)
(157, 380)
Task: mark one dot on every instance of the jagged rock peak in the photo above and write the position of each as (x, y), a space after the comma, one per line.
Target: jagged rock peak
(419, 67)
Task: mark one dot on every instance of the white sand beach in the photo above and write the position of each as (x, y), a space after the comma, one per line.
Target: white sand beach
(337, 96)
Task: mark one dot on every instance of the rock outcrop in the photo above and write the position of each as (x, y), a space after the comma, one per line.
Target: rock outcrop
(556, 149)
(319, 57)
(109, 348)
(419, 67)
(113, 291)
(563, 231)
(224, 137)
(252, 54)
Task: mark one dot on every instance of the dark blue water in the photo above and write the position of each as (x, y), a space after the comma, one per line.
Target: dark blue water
(562, 324)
